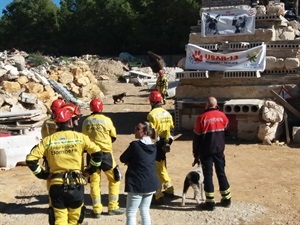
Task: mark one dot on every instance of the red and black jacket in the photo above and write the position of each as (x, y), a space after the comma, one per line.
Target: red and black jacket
(209, 132)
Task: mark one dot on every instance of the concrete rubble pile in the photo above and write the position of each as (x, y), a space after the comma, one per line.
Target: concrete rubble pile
(25, 88)
(27, 91)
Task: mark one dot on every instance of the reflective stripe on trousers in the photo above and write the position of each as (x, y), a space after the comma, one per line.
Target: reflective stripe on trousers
(163, 177)
(113, 192)
(226, 194)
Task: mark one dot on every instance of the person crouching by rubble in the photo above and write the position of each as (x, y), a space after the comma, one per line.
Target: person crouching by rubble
(141, 180)
(162, 84)
(102, 131)
(161, 120)
(64, 151)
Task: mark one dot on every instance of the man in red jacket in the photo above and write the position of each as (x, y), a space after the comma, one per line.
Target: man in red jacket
(208, 147)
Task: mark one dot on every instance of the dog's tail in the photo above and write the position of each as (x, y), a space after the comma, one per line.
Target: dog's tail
(186, 185)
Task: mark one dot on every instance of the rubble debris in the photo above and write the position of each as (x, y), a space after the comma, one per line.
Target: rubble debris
(270, 126)
(156, 62)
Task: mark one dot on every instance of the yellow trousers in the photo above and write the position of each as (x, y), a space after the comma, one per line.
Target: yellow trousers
(162, 91)
(113, 191)
(67, 216)
(66, 204)
(163, 177)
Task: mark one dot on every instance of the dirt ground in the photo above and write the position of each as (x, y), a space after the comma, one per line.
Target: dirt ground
(265, 180)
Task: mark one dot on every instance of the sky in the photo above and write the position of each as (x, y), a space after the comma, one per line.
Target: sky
(4, 3)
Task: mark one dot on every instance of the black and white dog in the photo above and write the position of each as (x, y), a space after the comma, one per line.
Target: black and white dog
(211, 22)
(195, 180)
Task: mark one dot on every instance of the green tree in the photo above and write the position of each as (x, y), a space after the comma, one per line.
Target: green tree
(76, 19)
(165, 25)
(95, 26)
(30, 25)
(114, 26)
(103, 27)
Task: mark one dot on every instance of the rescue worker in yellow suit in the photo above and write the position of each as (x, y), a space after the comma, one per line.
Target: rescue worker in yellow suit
(63, 151)
(49, 126)
(162, 84)
(101, 130)
(162, 121)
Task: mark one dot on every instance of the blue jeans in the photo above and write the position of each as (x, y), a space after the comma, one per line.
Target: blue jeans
(135, 201)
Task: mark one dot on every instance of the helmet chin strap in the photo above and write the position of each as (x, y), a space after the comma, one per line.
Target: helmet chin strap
(156, 105)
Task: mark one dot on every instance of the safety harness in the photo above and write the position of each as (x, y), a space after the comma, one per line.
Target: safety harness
(71, 179)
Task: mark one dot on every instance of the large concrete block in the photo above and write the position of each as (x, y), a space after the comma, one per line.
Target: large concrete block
(260, 9)
(243, 106)
(284, 33)
(218, 6)
(294, 24)
(276, 8)
(270, 62)
(260, 35)
(279, 63)
(291, 63)
(13, 149)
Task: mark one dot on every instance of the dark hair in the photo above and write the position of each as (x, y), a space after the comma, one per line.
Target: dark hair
(64, 126)
(151, 132)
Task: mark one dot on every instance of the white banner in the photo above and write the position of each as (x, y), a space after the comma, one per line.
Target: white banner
(198, 58)
(228, 22)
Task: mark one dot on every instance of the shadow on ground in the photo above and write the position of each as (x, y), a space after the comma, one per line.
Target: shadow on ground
(104, 201)
(124, 122)
(26, 205)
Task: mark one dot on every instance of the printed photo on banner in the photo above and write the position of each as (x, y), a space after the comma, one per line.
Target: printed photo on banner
(228, 22)
(253, 59)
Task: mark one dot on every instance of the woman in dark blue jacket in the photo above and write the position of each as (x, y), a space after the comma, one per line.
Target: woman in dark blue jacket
(141, 180)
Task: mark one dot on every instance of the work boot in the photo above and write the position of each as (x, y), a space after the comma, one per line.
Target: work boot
(169, 192)
(225, 202)
(159, 201)
(97, 215)
(207, 206)
(118, 211)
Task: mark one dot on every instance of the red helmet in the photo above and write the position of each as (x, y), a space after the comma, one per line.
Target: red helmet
(96, 105)
(56, 104)
(74, 109)
(62, 115)
(155, 96)
(160, 72)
